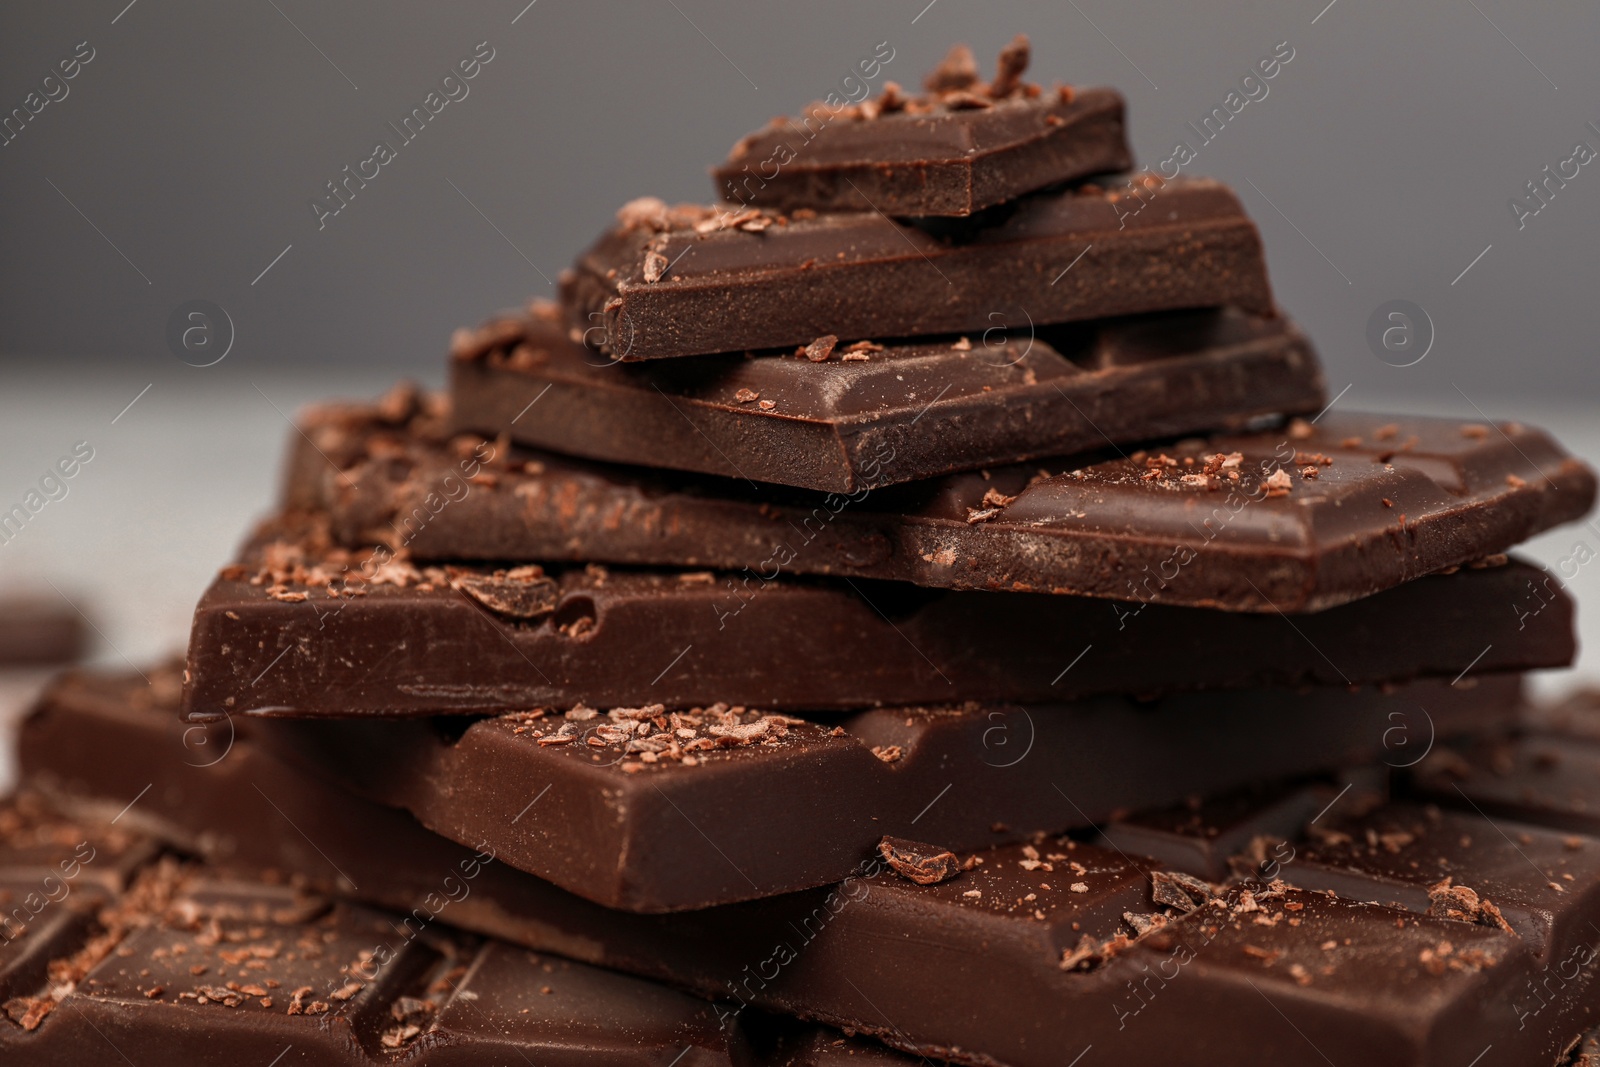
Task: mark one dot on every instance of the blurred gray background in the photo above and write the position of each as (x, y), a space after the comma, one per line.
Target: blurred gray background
(182, 160)
(184, 157)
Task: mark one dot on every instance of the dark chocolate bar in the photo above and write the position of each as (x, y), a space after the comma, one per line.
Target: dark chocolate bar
(651, 810)
(692, 280)
(36, 630)
(857, 417)
(1293, 519)
(962, 146)
(301, 628)
(181, 965)
(607, 811)
(1030, 954)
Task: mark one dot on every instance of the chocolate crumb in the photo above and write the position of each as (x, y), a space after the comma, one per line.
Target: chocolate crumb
(655, 265)
(921, 863)
(958, 70)
(1013, 61)
(745, 396)
(521, 592)
(1174, 889)
(819, 350)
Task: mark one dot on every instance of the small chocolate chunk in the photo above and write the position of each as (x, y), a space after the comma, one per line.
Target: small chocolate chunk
(923, 864)
(521, 593)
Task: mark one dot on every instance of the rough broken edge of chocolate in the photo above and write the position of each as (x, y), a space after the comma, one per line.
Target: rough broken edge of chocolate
(1179, 891)
(1463, 904)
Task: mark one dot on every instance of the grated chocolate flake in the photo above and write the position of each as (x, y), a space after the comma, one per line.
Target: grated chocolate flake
(921, 863)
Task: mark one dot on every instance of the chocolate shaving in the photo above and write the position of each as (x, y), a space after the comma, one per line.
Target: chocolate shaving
(1174, 889)
(819, 350)
(521, 593)
(1462, 903)
(921, 863)
(962, 100)
(1013, 61)
(958, 70)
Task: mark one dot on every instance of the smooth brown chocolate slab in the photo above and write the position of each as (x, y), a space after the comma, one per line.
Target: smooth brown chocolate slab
(302, 628)
(693, 280)
(1294, 518)
(863, 419)
(1057, 944)
(962, 146)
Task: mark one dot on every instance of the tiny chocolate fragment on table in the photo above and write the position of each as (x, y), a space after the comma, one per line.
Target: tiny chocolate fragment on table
(960, 147)
(37, 630)
(598, 802)
(301, 628)
(1196, 522)
(847, 418)
(1089, 253)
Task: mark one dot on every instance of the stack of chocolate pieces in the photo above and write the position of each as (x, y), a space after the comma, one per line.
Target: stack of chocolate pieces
(922, 606)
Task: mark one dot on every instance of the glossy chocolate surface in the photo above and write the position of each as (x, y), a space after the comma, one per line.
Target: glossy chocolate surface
(302, 628)
(658, 811)
(1294, 518)
(169, 962)
(694, 280)
(962, 146)
(1031, 948)
(870, 417)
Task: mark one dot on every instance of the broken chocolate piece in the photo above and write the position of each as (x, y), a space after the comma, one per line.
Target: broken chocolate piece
(1152, 246)
(369, 634)
(879, 415)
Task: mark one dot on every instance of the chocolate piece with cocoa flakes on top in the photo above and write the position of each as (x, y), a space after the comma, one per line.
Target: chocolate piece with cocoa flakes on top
(302, 627)
(187, 964)
(846, 417)
(596, 801)
(740, 279)
(959, 147)
(1230, 521)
